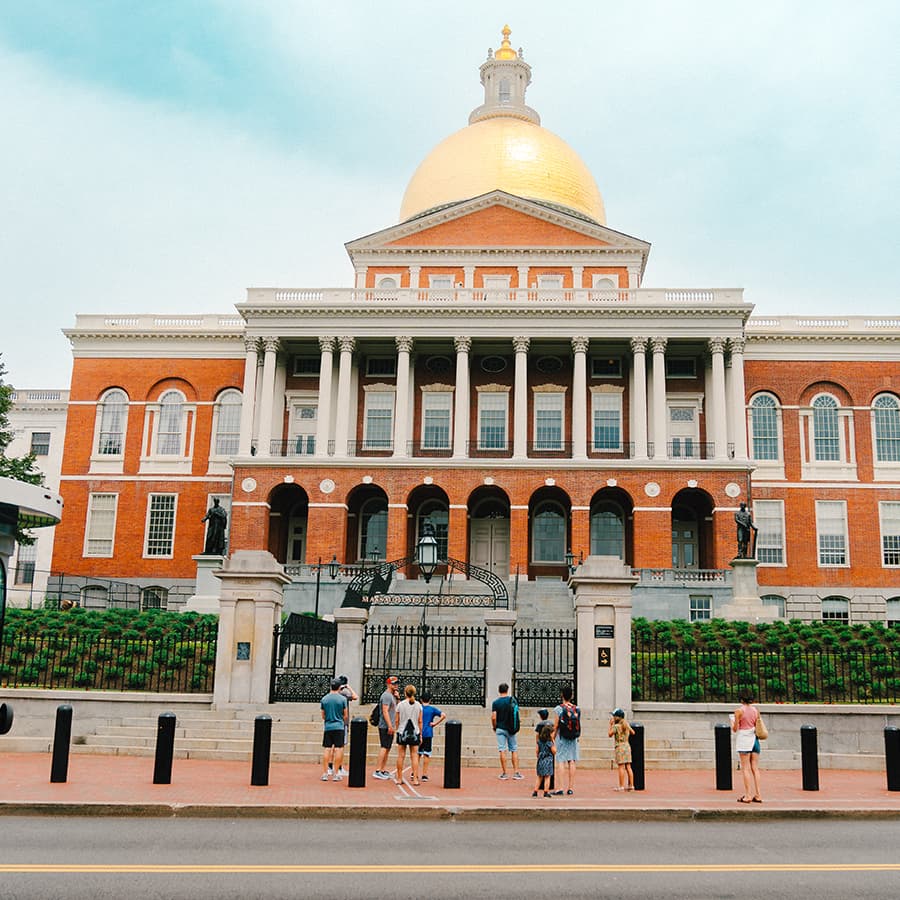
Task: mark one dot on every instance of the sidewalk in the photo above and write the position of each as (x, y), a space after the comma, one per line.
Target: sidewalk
(122, 785)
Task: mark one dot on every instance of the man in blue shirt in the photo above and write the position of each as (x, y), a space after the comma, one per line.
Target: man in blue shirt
(431, 716)
(334, 716)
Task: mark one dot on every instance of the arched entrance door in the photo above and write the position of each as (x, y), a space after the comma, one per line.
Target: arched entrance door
(489, 535)
(685, 544)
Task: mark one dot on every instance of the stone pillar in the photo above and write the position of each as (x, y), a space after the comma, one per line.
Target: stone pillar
(738, 400)
(461, 398)
(523, 278)
(639, 398)
(360, 276)
(401, 410)
(264, 447)
(602, 586)
(342, 425)
(577, 278)
(745, 604)
(348, 654)
(323, 410)
(499, 669)
(579, 399)
(249, 609)
(660, 433)
(719, 431)
(520, 399)
(414, 277)
(257, 403)
(207, 587)
(469, 277)
(248, 403)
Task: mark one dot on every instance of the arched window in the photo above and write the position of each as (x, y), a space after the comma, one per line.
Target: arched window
(154, 597)
(504, 94)
(826, 429)
(836, 609)
(886, 412)
(228, 423)
(388, 283)
(764, 427)
(435, 512)
(548, 533)
(373, 529)
(113, 416)
(170, 430)
(774, 600)
(893, 612)
(608, 530)
(94, 596)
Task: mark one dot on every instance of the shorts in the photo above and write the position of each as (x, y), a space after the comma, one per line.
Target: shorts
(385, 738)
(506, 741)
(333, 738)
(425, 747)
(566, 750)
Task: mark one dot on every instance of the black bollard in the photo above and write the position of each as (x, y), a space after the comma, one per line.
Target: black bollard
(62, 736)
(636, 741)
(359, 735)
(452, 752)
(262, 749)
(892, 757)
(6, 718)
(165, 748)
(723, 757)
(809, 756)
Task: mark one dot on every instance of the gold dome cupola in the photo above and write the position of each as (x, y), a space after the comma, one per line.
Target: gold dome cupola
(505, 76)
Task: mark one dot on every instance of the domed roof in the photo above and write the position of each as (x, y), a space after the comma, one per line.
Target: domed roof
(504, 148)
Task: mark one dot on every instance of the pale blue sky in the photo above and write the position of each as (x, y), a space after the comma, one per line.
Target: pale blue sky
(163, 156)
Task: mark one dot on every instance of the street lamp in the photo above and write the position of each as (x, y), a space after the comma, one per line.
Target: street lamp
(570, 561)
(427, 552)
(334, 567)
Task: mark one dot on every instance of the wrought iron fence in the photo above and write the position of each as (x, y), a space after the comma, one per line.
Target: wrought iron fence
(450, 661)
(172, 663)
(787, 675)
(303, 659)
(544, 662)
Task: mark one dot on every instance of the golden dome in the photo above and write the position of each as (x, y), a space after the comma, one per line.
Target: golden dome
(509, 154)
(505, 50)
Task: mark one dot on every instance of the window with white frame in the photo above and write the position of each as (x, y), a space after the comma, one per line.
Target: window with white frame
(379, 421)
(227, 425)
(40, 443)
(94, 596)
(826, 431)
(765, 435)
(886, 422)
(701, 607)
(387, 283)
(836, 609)
(893, 612)
(304, 421)
(113, 411)
(306, 365)
(889, 513)
(775, 600)
(160, 532)
(550, 282)
(604, 283)
(170, 425)
(154, 597)
(440, 282)
(549, 410)
(496, 282)
(768, 516)
(681, 367)
(548, 533)
(437, 410)
(607, 421)
(26, 558)
(100, 527)
(381, 366)
(492, 418)
(831, 529)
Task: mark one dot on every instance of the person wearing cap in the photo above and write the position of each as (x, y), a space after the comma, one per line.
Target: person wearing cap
(387, 707)
(352, 696)
(620, 730)
(334, 716)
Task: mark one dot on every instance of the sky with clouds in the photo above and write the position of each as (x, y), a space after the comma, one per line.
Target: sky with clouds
(160, 157)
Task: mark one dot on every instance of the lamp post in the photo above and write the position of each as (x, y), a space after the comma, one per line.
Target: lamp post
(427, 552)
(570, 561)
(334, 567)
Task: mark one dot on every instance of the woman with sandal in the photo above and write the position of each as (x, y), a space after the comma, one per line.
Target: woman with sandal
(743, 723)
(409, 733)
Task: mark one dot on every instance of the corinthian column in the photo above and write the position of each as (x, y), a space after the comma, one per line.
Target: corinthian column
(401, 407)
(342, 425)
(323, 410)
(579, 398)
(271, 346)
(719, 412)
(658, 346)
(639, 397)
(520, 398)
(738, 400)
(461, 397)
(248, 400)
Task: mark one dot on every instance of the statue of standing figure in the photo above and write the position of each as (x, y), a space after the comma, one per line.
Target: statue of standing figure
(215, 530)
(745, 528)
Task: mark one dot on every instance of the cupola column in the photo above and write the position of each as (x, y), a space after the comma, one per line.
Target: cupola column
(271, 346)
(520, 399)
(660, 446)
(579, 398)
(738, 400)
(342, 425)
(323, 412)
(719, 412)
(461, 397)
(639, 397)
(248, 404)
(401, 411)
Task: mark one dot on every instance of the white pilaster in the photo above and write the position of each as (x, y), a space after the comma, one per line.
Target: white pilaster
(639, 397)
(257, 404)
(660, 436)
(577, 277)
(523, 278)
(342, 425)
(579, 398)
(520, 399)
(414, 277)
(461, 397)
(248, 403)
(738, 403)
(719, 420)
(469, 277)
(361, 277)
(401, 401)
(267, 402)
(323, 410)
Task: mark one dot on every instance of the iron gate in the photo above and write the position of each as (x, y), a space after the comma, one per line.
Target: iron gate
(302, 660)
(544, 662)
(450, 661)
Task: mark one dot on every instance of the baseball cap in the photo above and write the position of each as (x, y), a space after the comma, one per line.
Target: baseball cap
(393, 679)
(619, 712)
(335, 683)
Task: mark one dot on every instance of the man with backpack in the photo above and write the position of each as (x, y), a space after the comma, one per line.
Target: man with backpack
(567, 731)
(505, 722)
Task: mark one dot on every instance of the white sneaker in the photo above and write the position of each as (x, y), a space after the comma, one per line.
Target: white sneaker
(503, 776)
(324, 777)
(518, 776)
(381, 775)
(343, 772)
(338, 777)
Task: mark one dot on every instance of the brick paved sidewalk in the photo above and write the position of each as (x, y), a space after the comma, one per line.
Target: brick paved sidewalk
(123, 785)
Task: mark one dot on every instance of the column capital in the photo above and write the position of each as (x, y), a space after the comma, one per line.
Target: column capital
(326, 344)
(462, 344)
(658, 344)
(716, 345)
(737, 345)
(271, 345)
(580, 344)
(347, 344)
(404, 344)
(639, 345)
(521, 344)
(251, 344)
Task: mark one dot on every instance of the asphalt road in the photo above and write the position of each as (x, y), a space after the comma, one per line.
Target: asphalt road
(98, 858)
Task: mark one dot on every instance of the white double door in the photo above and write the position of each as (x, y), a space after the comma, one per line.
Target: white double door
(489, 545)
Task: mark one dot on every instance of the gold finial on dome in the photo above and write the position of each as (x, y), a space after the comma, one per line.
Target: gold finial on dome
(505, 50)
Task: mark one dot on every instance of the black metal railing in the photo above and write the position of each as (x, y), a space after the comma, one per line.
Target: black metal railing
(298, 446)
(182, 662)
(623, 451)
(550, 449)
(370, 448)
(475, 450)
(691, 449)
(90, 592)
(420, 448)
(544, 662)
(303, 660)
(664, 673)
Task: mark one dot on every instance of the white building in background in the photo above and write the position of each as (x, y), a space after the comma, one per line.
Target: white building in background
(38, 421)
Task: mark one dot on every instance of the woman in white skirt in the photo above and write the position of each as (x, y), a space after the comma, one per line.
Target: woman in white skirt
(747, 745)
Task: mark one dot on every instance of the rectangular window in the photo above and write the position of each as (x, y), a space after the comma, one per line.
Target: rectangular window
(40, 443)
(681, 367)
(768, 516)
(381, 366)
(304, 417)
(492, 421)
(831, 527)
(550, 282)
(26, 557)
(548, 421)
(379, 421)
(606, 367)
(306, 365)
(436, 411)
(890, 533)
(440, 282)
(701, 607)
(100, 528)
(160, 525)
(607, 430)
